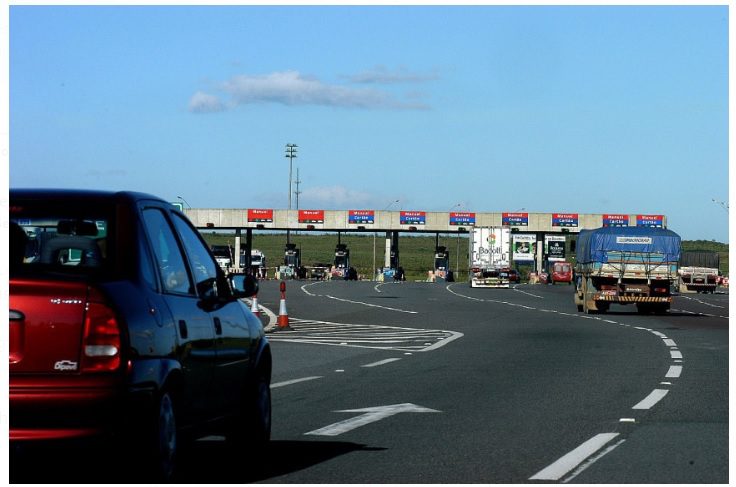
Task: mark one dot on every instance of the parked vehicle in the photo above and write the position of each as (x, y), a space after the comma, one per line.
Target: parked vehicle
(489, 256)
(124, 328)
(699, 272)
(561, 272)
(626, 265)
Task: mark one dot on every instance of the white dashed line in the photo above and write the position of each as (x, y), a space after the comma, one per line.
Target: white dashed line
(294, 381)
(674, 372)
(381, 362)
(652, 399)
(676, 354)
(571, 460)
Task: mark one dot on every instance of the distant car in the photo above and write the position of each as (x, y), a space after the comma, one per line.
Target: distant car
(514, 276)
(561, 272)
(123, 326)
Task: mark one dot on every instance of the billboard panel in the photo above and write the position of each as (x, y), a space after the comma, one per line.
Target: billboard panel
(650, 221)
(554, 247)
(311, 216)
(462, 219)
(260, 216)
(615, 220)
(525, 247)
(564, 219)
(516, 219)
(413, 218)
(361, 217)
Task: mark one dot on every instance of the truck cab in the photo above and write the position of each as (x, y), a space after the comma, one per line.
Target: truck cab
(223, 255)
(342, 261)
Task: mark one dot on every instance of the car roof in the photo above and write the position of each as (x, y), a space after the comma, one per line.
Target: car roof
(81, 194)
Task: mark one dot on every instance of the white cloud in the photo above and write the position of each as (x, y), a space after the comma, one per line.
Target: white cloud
(381, 74)
(291, 88)
(204, 103)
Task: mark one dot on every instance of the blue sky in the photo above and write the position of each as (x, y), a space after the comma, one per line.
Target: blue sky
(605, 109)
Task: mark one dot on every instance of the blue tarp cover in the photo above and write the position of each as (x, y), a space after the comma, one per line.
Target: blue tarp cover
(657, 244)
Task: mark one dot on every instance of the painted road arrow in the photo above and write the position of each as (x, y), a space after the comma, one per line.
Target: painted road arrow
(371, 415)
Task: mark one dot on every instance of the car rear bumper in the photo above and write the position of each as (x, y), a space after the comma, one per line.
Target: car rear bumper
(39, 413)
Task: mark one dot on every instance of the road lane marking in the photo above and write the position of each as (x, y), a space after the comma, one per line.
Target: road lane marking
(370, 415)
(294, 381)
(674, 372)
(371, 305)
(381, 362)
(653, 398)
(702, 302)
(669, 342)
(571, 460)
(592, 461)
(675, 354)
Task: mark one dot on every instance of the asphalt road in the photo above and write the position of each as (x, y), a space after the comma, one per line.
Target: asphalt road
(440, 383)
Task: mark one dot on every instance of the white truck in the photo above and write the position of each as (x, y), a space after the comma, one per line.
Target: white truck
(698, 272)
(489, 256)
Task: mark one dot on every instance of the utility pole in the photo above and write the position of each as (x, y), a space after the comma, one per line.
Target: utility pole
(297, 192)
(291, 154)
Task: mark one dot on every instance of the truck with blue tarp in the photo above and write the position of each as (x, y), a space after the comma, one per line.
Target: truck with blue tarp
(626, 265)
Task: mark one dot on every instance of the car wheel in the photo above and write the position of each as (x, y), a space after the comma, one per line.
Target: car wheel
(251, 429)
(163, 439)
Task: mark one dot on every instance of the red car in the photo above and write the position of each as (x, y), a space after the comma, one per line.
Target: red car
(561, 272)
(123, 327)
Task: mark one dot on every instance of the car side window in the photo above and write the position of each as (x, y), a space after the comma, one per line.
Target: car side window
(168, 256)
(203, 265)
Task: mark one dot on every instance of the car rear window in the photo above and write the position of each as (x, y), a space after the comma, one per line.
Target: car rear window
(58, 241)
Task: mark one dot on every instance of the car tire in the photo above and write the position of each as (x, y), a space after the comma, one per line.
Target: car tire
(251, 429)
(164, 447)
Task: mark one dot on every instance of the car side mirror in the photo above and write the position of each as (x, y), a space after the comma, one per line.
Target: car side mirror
(243, 285)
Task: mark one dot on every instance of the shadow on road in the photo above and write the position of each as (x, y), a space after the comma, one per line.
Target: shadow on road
(202, 462)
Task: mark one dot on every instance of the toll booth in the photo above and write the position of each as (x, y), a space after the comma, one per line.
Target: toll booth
(394, 254)
(342, 259)
(442, 271)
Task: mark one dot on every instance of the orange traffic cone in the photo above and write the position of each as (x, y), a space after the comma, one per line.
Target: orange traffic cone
(254, 306)
(283, 320)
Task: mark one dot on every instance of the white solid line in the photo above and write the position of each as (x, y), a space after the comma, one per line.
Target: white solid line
(674, 372)
(652, 399)
(381, 362)
(294, 381)
(574, 458)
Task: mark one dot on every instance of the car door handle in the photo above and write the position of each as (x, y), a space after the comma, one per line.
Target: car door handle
(183, 329)
(218, 326)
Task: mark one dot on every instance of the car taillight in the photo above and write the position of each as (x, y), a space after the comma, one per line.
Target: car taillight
(660, 290)
(101, 342)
